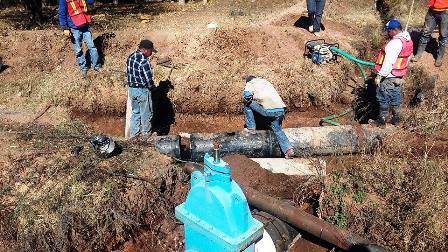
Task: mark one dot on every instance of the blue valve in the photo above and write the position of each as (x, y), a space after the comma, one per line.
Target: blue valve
(216, 215)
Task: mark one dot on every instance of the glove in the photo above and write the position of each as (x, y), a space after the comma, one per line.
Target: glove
(378, 80)
(247, 99)
(67, 33)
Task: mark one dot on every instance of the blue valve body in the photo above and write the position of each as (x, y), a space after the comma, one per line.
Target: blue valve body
(216, 215)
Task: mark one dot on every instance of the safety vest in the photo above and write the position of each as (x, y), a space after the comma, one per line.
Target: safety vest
(438, 5)
(400, 66)
(77, 10)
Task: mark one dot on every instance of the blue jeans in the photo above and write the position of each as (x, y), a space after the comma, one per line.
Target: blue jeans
(431, 20)
(141, 105)
(275, 119)
(388, 95)
(315, 12)
(78, 36)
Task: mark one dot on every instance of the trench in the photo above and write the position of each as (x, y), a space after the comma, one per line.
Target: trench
(113, 125)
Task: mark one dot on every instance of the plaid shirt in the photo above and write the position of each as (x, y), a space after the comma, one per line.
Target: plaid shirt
(139, 71)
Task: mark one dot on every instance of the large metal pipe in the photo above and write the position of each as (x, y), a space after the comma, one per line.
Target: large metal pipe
(306, 141)
(168, 145)
(302, 220)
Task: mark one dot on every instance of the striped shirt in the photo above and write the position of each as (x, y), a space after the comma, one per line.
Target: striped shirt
(139, 71)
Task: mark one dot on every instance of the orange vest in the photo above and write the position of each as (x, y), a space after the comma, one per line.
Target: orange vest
(77, 10)
(438, 5)
(400, 66)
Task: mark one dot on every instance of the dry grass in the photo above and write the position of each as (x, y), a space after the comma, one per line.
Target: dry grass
(427, 110)
(397, 197)
(400, 9)
(52, 200)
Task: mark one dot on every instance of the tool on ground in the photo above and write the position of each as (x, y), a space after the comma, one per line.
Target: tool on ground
(216, 214)
(168, 63)
(103, 145)
(409, 15)
(321, 52)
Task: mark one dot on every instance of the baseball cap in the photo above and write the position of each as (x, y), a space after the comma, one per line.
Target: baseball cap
(392, 24)
(248, 78)
(147, 44)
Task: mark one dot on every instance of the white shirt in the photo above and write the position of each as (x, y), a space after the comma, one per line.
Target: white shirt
(264, 93)
(392, 51)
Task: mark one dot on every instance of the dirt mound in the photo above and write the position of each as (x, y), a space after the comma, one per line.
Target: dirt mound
(210, 81)
(297, 189)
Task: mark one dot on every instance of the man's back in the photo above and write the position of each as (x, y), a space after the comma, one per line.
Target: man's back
(264, 93)
(139, 70)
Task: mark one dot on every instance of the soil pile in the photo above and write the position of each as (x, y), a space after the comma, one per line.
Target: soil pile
(297, 189)
(210, 81)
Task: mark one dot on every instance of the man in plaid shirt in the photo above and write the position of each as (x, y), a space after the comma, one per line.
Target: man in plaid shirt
(140, 83)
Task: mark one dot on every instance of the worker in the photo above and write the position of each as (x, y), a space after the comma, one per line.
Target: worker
(140, 82)
(437, 15)
(74, 21)
(260, 96)
(315, 12)
(391, 65)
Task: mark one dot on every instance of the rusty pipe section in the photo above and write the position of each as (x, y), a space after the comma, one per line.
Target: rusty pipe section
(302, 220)
(306, 141)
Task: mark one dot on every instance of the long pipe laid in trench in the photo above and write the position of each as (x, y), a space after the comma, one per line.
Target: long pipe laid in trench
(302, 220)
(306, 141)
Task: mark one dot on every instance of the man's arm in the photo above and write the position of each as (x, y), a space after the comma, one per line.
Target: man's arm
(393, 49)
(63, 14)
(248, 90)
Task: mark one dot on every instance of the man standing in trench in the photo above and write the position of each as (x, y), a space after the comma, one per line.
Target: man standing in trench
(140, 83)
(260, 96)
(74, 21)
(437, 15)
(391, 65)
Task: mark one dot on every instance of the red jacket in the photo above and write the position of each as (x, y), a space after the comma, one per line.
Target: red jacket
(438, 5)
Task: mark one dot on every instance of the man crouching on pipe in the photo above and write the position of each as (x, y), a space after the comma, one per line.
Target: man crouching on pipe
(260, 96)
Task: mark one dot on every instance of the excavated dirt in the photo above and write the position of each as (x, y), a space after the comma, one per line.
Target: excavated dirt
(114, 125)
(249, 174)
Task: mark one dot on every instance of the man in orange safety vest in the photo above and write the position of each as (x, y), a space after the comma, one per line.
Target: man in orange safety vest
(74, 21)
(391, 65)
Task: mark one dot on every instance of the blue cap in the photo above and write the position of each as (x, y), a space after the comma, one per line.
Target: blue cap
(392, 24)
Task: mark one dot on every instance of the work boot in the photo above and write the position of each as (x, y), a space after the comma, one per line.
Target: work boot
(396, 116)
(289, 153)
(420, 50)
(440, 54)
(84, 74)
(381, 121)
